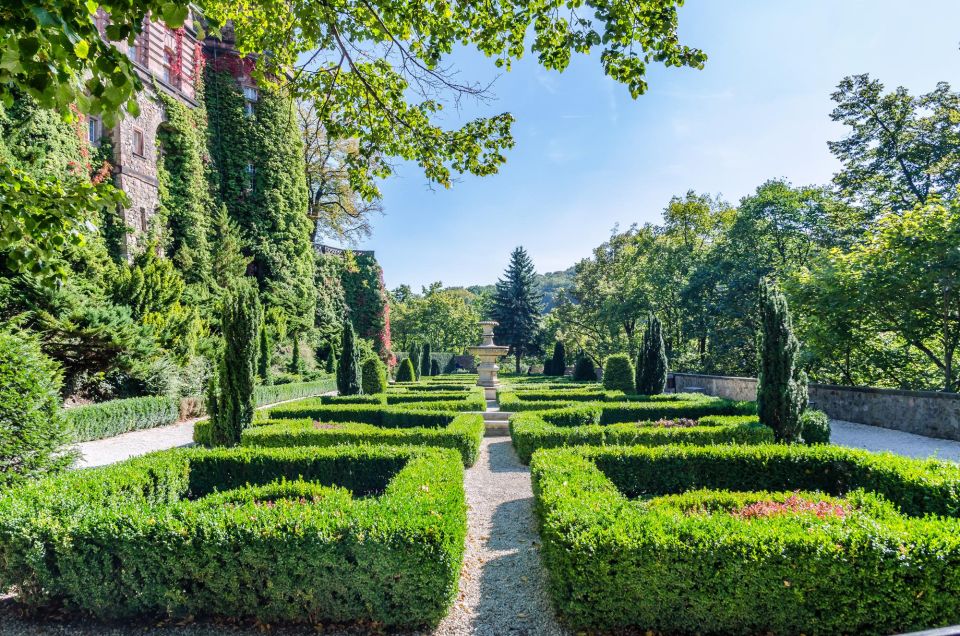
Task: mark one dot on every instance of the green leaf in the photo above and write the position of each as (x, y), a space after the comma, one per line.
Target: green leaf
(81, 48)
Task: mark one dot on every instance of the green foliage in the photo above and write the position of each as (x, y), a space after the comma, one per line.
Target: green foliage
(331, 308)
(517, 304)
(297, 365)
(618, 374)
(875, 570)
(448, 318)
(652, 360)
(435, 367)
(97, 421)
(425, 359)
(558, 364)
(374, 377)
(463, 433)
(264, 358)
(241, 322)
(815, 427)
(183, 187)
(406, 373)
(349, 381)
(782, 385)
(584, 371)
(32, 429)
(365, 295)
(530, 431)
(404, 547)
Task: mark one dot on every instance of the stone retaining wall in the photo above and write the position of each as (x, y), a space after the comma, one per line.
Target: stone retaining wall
(921, 412)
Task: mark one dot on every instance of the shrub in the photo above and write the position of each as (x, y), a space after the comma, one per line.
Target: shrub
(689, 563)
(406, 372)
(213, 533)
(269, 394)
(815, 427)
(32, 428)
(242, 319)
(782, 385)
(434, 367)
(374, 377)
(531, 431)
(353, 399)
(463, 433)
(558, 364)
(618, 374)
(425, 358)
(97, 421)
(584, 371)
(348, 371)
(264, 358)
(652, 360)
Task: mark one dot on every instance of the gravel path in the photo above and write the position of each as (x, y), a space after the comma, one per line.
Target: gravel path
(503, 584)
(875, 438)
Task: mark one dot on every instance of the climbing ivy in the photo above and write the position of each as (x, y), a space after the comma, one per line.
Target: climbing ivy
(185, 201)
(366, 298)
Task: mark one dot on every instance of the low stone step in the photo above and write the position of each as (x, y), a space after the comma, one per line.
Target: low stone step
(496, 416)
(497, 429)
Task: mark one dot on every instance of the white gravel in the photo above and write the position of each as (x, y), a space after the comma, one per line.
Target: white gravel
(875, 438)
(115, 449)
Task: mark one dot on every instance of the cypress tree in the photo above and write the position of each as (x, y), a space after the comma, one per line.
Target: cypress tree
(584, 370)
(652, 360)
(263, 359)
(425, 358)
(782, 386)
(517, 305)
(414, 357)
(296, 361)
(348, 371)
(241, 323)
(558, 365)
(434, 367)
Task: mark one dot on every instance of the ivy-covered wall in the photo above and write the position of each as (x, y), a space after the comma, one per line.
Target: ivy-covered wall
(366, 298)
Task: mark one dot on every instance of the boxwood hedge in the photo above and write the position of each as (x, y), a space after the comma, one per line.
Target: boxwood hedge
(616, 561)
(462, 432)
(531, 431)
(96, 421)
(372, 534)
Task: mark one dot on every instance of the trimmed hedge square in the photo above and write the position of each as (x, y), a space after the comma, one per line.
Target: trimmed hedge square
(535, 430)
(372, 534)
(462, 432)
(625, 548)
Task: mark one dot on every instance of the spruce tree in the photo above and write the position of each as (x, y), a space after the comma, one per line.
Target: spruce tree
(558, 365)
(782, 386)
(263, 358)
(348, 371)
(241, 323)
(652, 360)
(517, 305)
(425, 358)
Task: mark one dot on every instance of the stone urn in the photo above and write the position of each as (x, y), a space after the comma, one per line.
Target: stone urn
(488, 353)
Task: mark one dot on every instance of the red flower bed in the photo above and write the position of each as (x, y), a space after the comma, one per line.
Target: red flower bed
(794, 504)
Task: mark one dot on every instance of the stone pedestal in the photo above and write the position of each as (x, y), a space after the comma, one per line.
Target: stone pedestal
(488, 353)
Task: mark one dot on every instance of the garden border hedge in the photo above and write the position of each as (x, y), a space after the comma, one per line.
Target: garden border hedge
(614, 563)
(464, 433)
(106, 419)
(133, 539)
(531, 431)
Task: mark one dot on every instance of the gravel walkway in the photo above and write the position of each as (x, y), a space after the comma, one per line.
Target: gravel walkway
(503, 584)
(875, 438)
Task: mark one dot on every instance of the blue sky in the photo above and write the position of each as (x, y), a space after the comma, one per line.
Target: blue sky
(589, 157)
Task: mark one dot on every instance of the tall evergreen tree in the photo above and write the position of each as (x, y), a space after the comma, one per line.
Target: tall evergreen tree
(558, 365)
(652, 360)
(241, 323)
(782, 386)
(517, 303)
(263, 359)
(349, 380)
(425, 358)
(414, 357)
(296, 360)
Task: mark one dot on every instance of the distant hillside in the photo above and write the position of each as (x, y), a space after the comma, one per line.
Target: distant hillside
(550, 283)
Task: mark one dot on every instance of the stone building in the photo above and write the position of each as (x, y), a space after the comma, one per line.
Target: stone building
(168, 60)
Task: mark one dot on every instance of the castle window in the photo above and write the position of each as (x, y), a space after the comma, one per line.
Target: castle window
(250, 97)
(94, 130)
(168, 60)
(143, 219)
(138, 142)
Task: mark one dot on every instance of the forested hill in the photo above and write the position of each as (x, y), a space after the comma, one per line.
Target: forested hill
(550, 283)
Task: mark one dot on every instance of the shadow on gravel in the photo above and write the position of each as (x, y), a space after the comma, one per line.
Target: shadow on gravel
(502, 459)
(513, 597)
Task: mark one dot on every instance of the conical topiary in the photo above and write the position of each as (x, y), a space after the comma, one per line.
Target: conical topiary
(618, 374)
(414, 356)
(782, 386)
(652, 360)
(374, 376)
(405, 372)
(241, 323)
(558, 365)
(425, 358)
(434, 367)
(348, 371)
(584, 370)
